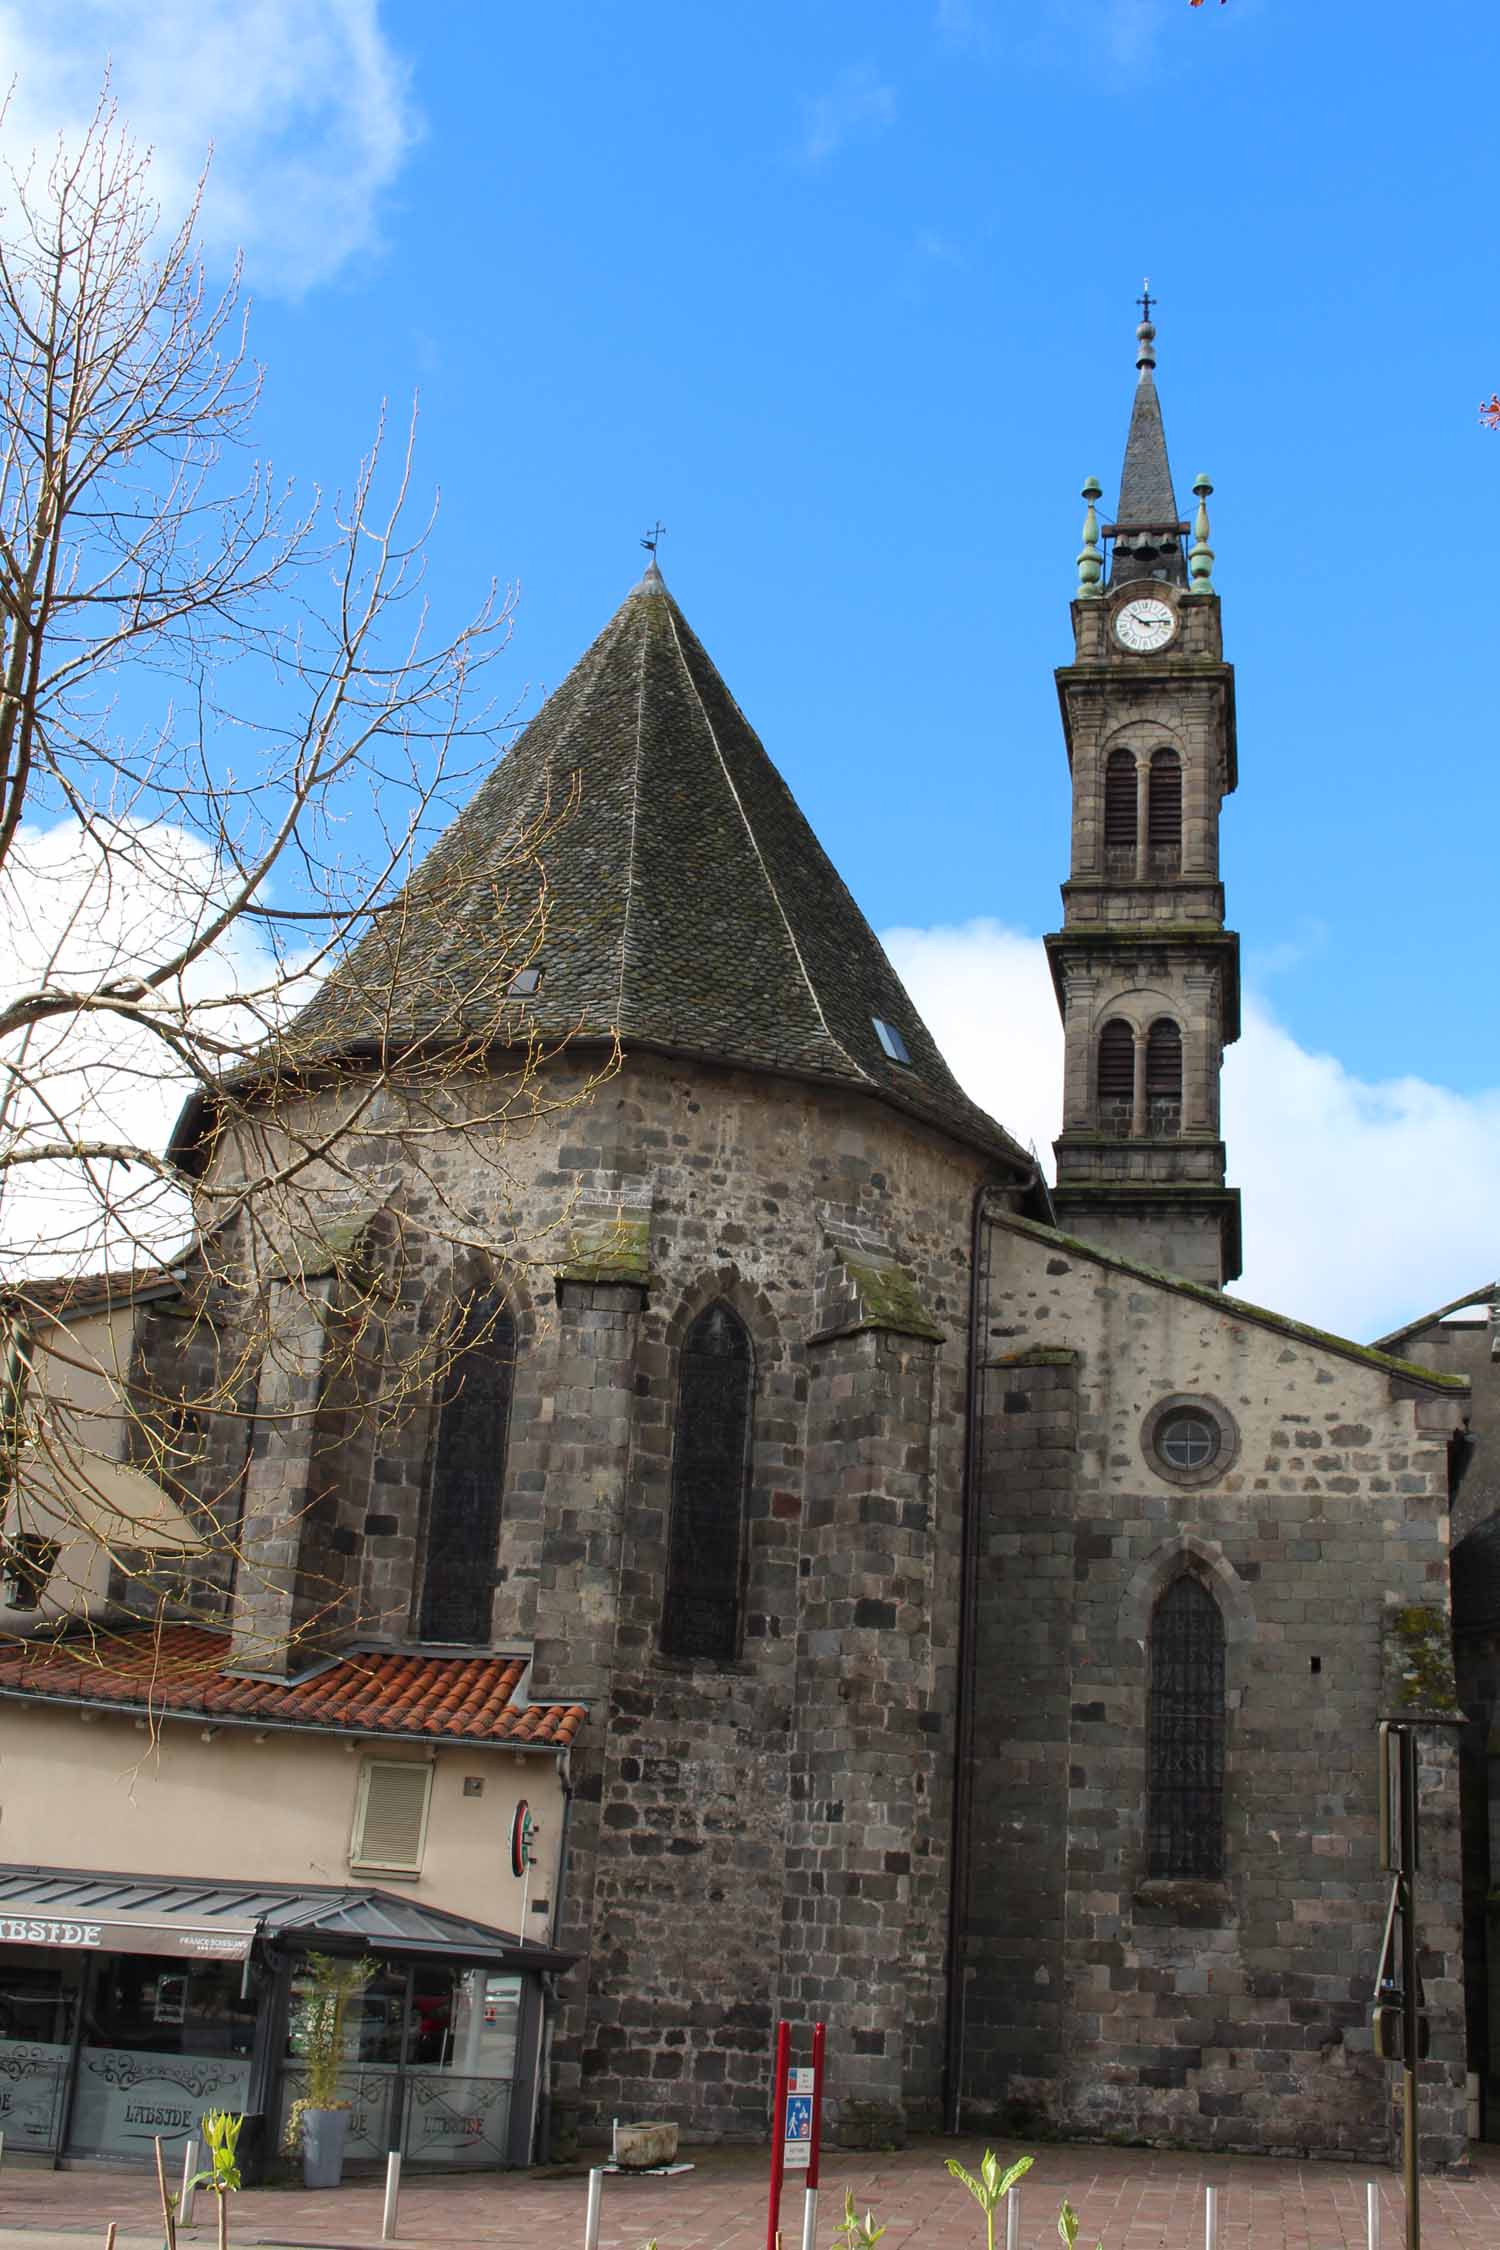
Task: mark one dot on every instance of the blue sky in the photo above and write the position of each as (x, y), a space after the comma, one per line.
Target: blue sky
(844, 295)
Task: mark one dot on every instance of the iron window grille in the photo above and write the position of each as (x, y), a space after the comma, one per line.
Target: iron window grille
(710, 1457)
(1185, 1784)
(468, 1475)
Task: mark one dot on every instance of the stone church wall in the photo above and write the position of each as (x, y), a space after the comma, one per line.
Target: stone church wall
(1231, 2014)
(752, 1837)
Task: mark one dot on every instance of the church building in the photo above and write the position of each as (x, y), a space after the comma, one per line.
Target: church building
(904, 1597)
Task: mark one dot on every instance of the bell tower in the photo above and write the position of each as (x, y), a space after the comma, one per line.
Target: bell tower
(1146, 974)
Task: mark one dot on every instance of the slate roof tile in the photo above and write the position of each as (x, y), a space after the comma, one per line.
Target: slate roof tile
(692, 909)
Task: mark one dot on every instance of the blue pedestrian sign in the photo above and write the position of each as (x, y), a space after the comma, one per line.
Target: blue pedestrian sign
(797, 2132)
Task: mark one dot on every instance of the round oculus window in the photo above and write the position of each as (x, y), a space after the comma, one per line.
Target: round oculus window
(1187, 1441)
(1190, 1440)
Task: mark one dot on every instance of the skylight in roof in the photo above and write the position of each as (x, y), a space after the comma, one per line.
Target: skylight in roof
(524, 983)
(891, 1041)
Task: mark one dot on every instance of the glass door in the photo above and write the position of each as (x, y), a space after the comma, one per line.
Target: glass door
(38, 2015)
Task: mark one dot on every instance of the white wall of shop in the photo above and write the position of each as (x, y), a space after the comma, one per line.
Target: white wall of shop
(103, 1791)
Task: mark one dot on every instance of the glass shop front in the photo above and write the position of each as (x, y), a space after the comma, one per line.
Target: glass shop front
(102, 2052)
(99, 2053)
(431, 2063)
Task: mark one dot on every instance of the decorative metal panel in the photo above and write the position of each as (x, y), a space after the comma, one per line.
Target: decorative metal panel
(468, 1476)
(710, 1452)
(1186, 1751)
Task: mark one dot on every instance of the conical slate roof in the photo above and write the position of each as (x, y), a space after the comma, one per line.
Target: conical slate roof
(1147, 540)
(691, 909)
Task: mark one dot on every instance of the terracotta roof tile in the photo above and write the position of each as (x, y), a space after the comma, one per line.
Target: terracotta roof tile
(380, 1691)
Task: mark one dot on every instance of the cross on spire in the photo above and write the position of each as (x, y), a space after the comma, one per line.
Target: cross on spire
(1145, 300)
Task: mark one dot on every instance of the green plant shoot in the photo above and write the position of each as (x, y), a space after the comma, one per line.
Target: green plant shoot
(857, 2233)
(221, 2130)
(1067, 2226)
(992, 2186)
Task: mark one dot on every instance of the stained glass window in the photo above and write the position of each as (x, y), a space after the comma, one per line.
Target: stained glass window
(468, 1475)
(710, 1453)
(1185, 1808)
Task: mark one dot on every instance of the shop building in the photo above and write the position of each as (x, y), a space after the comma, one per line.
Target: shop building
(409, 1811)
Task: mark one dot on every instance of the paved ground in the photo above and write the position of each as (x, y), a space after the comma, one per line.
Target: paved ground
(1133, 2199)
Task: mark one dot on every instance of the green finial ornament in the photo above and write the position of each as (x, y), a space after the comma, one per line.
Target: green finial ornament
(1200, 554)
(1090, 555)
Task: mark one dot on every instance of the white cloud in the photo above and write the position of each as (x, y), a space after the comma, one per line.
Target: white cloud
(306, 106)
(75, 916)
(1365, 1204)
(857, 103)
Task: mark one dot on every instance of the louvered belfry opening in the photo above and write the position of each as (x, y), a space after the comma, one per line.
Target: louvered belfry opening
(1116, 1075)
(1185, 1772)
(710, 1460)
(1121, 813)
(1164, 814)
(1164, 1077)
(468, 1474)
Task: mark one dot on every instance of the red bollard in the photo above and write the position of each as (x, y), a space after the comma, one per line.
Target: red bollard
(778, 2147)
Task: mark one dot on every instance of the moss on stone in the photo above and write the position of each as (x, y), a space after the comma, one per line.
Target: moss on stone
(887, 1297)
(1236, 1308)
(608, 1246)
(1419, 1651)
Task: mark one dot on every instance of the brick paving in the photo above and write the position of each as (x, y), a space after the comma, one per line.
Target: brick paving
(1135, 2199)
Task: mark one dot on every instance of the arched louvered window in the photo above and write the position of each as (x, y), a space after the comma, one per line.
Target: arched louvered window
(1116, 1075)
(1164, 813)
(1121, 813)
(1164, 1076)
(468, 1473)
(1185, 1769)
(710, 1458)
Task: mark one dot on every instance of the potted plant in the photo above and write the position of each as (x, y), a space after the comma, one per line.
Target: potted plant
(318, 2123)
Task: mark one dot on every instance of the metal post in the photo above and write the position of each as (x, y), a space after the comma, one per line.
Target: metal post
(810, 2219)
(1372, 2216)
(392, 2195)
(1410, 2015)
(778, 2134)
(815, 2149)
(1210, 2218)
(591, 2217)
(189, 2167)
(1013, 2220)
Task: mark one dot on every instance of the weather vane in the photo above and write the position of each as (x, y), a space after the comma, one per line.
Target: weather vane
(1146, 300)
(658, 531)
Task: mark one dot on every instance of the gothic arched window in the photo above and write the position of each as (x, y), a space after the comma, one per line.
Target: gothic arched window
(1116, 1075)
(1164, 813)
(1164, 1076)
(1121, 812)
(710, 1457)
(1185, 1753)
(468, 1473)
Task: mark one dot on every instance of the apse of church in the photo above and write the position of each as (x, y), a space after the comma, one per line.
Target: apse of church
(979, 1622)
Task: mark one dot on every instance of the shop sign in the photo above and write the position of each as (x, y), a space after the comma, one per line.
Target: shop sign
(126, 1937)
(16, 1929)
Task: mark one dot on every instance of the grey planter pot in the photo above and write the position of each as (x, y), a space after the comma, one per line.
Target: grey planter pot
(324, 2132)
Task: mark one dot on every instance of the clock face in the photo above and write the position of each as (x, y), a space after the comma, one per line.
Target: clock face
(1144, 625)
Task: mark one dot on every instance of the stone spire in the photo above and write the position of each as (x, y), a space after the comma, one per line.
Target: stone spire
(1147, 528)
